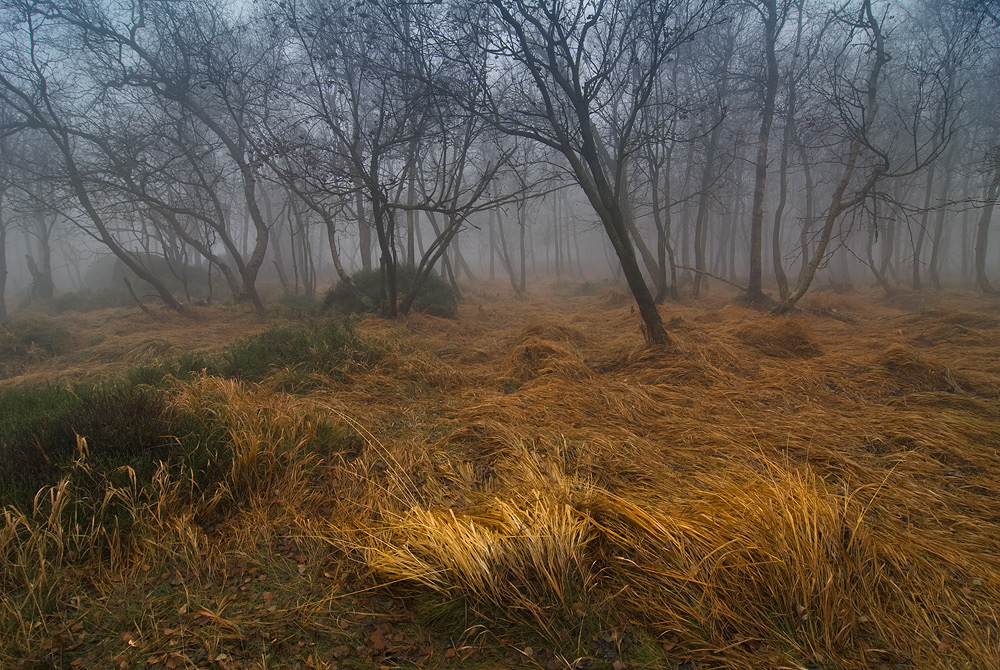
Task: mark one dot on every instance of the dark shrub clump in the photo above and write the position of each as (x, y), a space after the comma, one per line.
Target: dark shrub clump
(435, 298)
(122, 424)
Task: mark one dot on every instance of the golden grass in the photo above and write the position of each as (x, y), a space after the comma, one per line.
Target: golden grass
(796, 492)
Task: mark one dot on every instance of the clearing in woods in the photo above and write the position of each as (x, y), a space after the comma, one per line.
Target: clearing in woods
(529, 486)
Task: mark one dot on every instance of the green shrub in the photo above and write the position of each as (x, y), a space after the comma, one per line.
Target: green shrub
(123, 424)
(436, 296)
(305, 354)
(322, 348)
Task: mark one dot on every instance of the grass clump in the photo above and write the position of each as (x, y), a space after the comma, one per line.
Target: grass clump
(147, 532)
(294, 357)
(184, 366)
(87, 300)
(323, 347)
(435, 298)
(780, 337)
(31, 339)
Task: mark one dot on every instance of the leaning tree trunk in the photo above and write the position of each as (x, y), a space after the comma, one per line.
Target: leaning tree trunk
(838, 205)
(918, 246)
(503, 253)
(879, 276)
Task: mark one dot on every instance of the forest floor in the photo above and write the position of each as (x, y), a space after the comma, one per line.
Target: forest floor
(529, 486)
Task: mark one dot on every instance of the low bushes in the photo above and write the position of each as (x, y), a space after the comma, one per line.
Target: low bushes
(435, 298)
(122, 424)
(129, 422)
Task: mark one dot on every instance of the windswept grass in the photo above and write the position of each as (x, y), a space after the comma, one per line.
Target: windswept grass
(522, 490)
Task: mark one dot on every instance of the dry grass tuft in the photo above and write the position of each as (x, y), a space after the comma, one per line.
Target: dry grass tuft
(520, 558)
(923, 372)
(780, 337)
(613, 297)
(954, 317)
(554, 332)
(826, 301)
(532, 357)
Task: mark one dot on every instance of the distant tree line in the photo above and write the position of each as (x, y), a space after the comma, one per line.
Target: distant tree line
(754, 142)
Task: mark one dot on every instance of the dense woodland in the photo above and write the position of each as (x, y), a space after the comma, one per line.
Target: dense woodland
(791, 464)
(670, 144)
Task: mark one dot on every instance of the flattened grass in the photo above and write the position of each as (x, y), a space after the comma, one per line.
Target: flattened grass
(531, 484)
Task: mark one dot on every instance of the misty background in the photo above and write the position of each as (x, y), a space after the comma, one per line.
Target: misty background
(205, 150)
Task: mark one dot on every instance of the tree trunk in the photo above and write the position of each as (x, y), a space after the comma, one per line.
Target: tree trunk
(755, 292)
(983, 235)
(364, 231)
(787, 137)
(918, 246)
(661, 219)
(879, 276)
(491, 219)
(411, 243)
(522, 225)
(3, 262)
(838, 205)
(505, 260)
(934, 267)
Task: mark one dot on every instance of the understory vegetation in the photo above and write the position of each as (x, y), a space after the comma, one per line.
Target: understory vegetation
(434, 297)
(527, 486)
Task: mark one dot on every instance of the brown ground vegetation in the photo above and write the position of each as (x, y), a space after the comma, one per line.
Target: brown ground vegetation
(536, 488)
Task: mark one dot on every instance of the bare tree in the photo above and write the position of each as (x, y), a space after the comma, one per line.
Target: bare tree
(36, 86)
(575, 77)
(873, 153)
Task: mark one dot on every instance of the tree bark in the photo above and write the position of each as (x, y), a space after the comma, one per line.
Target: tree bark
(755, 292)
(983, 235)
(3, 261)
(918, 245)
(934, 267)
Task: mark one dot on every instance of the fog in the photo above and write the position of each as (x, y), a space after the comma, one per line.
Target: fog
(205, 151)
